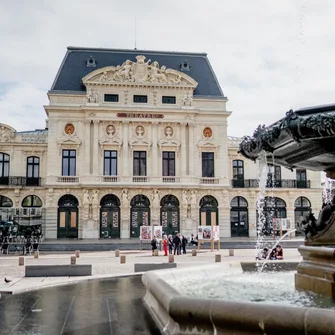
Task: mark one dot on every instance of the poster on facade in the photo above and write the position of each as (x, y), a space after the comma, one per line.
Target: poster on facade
(216, 233)
(115, 219)
(145, 233)
(158, 232)
(283, 224)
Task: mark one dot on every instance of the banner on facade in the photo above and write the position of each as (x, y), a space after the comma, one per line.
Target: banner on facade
(216, 233)
(158, 232)
(145, 233)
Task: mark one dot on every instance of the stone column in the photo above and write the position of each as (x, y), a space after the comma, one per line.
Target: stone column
(191, 149)
(183, 149)
(96, 149)
(87, 154)
(125, 149)
(154, 157)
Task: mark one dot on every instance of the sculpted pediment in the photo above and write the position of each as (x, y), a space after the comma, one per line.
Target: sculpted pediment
(139, 72)
(7, 133)
(69, 140)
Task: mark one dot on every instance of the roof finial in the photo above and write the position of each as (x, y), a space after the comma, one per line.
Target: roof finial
(135, 34)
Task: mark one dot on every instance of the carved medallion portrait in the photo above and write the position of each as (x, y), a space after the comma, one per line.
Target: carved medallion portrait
(69, 129)
(110, 130)
(168, 131)
(139, 131)
(207, 132)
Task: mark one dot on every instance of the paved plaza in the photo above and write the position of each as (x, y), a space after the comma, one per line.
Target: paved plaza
(106, 265)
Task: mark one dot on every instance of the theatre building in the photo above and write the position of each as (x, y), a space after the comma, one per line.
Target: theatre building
(138, 138)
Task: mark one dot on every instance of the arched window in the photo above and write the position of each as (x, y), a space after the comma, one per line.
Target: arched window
(110, 216)
(169, 214)
(302, 208)
(67, 223)
(274, 210)
(5, 201)
(4, 169)
(32, 201)
(139, 213)
(239, 217)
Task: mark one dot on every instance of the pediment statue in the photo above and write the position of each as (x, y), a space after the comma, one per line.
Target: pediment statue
(139, 72)
(7, 133)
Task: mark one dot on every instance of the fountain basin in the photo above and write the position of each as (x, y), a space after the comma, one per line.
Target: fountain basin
(177, 313)
(316, 272)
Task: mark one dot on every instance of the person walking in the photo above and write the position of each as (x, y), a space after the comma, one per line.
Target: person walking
(154, 245)
(170, 244)
(184, 243)
(177, 244)
(165, 245)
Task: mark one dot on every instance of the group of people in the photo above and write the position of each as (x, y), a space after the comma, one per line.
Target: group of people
(171, 244)
(275, 253)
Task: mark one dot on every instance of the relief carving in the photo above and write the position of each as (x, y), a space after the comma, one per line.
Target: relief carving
(110, 137)
(7, 134)
(70, 139)
(139, 139)
(138, 72)
(169, 140)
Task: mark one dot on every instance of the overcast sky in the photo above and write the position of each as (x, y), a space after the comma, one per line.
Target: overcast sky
(269, 56)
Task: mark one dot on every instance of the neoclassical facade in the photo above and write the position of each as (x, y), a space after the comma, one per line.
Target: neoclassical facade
(138, 138)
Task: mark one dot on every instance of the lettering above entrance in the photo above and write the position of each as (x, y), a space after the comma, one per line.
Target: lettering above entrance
(141, 73)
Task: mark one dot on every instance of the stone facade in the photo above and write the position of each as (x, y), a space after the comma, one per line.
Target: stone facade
(130, 109)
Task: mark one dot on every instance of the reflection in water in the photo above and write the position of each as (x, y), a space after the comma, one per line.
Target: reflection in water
(96, 307)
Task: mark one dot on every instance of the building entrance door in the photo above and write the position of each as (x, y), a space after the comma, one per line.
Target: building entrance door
(170, 219)
(67, 223)
(139, 214)
(110, 216)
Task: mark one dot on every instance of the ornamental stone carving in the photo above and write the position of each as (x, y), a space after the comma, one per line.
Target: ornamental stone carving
(69, 139)
(7, 133)
(110, 137)
(187, 99)
(169, 140)
(92, 96)
(139, 72)
(138, 139)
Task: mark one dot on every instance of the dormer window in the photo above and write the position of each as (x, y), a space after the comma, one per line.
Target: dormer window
(168, 100)
(91, 62)
(111, 98)
(143, 99)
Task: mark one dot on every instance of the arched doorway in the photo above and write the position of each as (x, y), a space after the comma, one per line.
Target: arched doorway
(139, 213)
(170, 214)
(67, 223)
(302, 208)
(209, 213)
(274, 210)
(110, 216)
(239, 217)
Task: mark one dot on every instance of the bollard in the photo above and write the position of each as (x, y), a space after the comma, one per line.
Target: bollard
(217, 258)
(77, 253)
(171, 258)
(21, 261)
(194, 252)
(117, 253)
(156, 252)
(73, 260)
(231, 252)
(36, 254)
(123, 259)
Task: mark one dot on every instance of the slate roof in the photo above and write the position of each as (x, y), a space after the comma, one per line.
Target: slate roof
(74, 67)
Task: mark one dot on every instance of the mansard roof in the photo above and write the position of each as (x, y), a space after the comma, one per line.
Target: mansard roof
(78, 62)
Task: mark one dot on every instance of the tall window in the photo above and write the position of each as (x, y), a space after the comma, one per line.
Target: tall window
(4, 169)
(301, 177)
(110, 163)
(169, 163)
(238, 169)
(69, 163)
(208, 164)
(274, 176)
(33, 171)
(140, 163)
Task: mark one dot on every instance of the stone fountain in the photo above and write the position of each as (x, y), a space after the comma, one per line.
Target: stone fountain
(305, 138)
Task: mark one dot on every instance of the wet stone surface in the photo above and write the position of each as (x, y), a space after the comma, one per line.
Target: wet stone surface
(97, 307)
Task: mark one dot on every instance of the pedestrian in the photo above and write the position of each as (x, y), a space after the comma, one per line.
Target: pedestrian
(153, 245)
(184, 243)
(165, 245)
(177, 244)
(170, 244)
